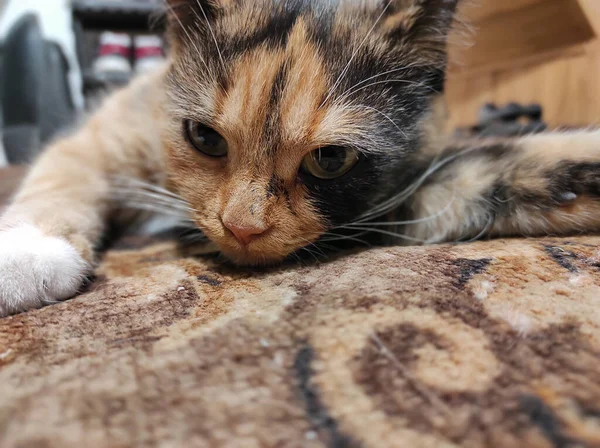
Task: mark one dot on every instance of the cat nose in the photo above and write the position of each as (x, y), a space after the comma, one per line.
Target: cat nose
(244, 233)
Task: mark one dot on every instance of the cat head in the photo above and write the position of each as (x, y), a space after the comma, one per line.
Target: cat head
(293, 117)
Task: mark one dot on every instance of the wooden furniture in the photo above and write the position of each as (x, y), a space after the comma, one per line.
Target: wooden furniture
(539, 51)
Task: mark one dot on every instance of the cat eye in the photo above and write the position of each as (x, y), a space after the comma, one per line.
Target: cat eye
(329, 162)
(205, 139)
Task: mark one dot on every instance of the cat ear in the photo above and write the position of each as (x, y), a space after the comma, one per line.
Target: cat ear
(422, 25)
(188, 10)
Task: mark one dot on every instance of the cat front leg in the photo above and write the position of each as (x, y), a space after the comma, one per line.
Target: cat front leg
(532, 186)
(50, 231)
(37, 269)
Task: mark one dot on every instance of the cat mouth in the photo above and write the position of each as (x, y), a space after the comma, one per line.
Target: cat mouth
(269, 249)
(262, 252)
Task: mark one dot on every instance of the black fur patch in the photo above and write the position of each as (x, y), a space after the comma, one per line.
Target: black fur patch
(343, 199)
(272, 125)
(577, 178)
(276, 187)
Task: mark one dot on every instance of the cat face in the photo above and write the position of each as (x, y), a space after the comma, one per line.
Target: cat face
(293, 117)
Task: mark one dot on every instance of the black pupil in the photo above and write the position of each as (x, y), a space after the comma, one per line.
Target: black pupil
(331, 159)
(208, 137)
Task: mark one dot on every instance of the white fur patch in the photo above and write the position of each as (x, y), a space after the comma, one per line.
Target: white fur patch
(36, 269)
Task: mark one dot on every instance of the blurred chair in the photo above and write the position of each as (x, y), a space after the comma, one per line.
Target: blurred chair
(35, 98)
(3, 160)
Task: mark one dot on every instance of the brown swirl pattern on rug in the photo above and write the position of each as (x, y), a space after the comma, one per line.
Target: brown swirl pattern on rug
(492, 344)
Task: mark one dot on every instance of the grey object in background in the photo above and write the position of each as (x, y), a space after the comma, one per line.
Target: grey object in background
(34, 92)
(3, 159)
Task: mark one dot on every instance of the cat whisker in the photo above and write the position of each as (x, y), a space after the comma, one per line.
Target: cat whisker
(378, 75)
(338, 237)
(344, 236)
(354, 53)
(126, 181)
(128, 196)
(488, 225)
(327, 247)
(192, 239)
(212, 33)
(386, 232)
(153, 208)
(386, 81)
(188, 36)
(127, 189)
(311, 244)
(387, 118)
(134, 191)
(397, 200)
(408, 222)
(308, 251)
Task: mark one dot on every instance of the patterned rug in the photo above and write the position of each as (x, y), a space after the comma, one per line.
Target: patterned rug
(492, 344)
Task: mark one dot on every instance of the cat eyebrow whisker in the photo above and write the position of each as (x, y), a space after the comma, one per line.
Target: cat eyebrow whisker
(354, 53)
(387, 117)
(188, 35)
(212, 33)
(378, 75)
(386, 81)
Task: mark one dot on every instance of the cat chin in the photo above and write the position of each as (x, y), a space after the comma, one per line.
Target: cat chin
(252, 260)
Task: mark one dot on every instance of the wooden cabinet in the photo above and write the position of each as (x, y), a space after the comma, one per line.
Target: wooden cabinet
(542, 51)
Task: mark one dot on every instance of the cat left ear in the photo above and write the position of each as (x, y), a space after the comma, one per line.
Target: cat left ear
(422, 24)
(185, 10)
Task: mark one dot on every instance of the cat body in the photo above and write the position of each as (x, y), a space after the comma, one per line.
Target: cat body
(278, 125)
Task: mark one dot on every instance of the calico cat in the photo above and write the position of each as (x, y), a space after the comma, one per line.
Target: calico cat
(280, 123)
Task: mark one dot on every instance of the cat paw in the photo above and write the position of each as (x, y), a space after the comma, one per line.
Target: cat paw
(36, 269)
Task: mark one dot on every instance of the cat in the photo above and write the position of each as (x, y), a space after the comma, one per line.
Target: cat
(277, 124)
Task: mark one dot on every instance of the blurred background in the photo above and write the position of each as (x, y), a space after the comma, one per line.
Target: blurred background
(544, 52)
(58, 57)
(519, 66)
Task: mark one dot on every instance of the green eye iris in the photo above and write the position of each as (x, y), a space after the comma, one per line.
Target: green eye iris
(330, 162)
(205, 139)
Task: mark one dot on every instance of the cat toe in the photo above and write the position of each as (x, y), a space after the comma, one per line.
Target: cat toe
(36, 269)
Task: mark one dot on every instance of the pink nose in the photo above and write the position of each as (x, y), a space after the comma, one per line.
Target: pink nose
(244, 233)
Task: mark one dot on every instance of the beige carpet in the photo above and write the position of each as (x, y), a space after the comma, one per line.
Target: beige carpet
(493, 344)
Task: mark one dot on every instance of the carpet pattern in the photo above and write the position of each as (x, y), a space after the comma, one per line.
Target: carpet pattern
(492, 344)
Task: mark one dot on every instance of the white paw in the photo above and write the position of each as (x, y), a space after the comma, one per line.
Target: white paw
(36, 269)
